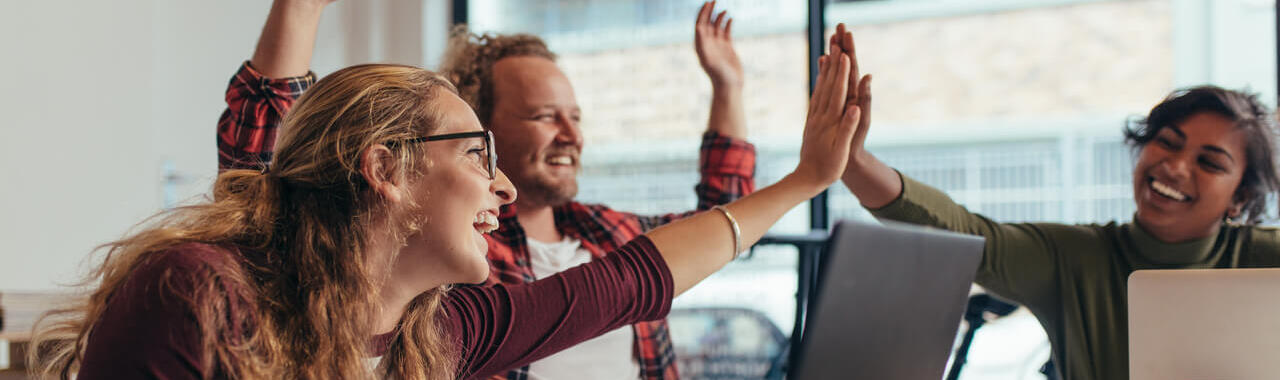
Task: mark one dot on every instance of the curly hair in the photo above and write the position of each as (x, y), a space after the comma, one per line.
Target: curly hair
(469, 60)
(1249, 115)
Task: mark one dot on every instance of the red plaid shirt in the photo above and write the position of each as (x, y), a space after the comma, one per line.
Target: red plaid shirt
(246, 139)
(255, 106)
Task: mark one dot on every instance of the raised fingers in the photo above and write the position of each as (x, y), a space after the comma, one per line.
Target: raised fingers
(854, 73)
(839, 84)
(704, 14)
(848, 125)
(864, 91)
(834, 44)
(820, 87)
(827, 102)
(864, 104)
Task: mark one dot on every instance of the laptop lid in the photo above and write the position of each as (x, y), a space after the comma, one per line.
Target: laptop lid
(889, 301)
(1204, 324)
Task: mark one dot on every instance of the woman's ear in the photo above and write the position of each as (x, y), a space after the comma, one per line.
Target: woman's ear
(1236, 209)
(379, 169)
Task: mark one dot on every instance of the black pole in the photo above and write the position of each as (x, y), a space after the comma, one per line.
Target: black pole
(975, 315)
(807, 265)
(816, 31)
(962, 353)
(459, 10)
(817, 28)
(809, 247)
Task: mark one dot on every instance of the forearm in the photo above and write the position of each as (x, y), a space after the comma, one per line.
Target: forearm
(288, 39)
(728, 116)
(507, 326)
(697, 246)
(874, 183)
(1019, 259)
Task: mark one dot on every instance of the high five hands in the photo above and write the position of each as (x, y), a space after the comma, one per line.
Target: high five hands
(859, 91)
(874, 183)
(835, 114)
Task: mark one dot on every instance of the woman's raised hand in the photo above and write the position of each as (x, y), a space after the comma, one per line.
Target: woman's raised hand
(874, 183)
(859, 93)
(831, 123)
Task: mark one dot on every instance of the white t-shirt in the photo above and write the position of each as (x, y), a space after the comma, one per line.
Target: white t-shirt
(609, 356)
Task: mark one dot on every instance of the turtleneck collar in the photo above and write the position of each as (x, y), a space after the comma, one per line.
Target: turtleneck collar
(1193, 253)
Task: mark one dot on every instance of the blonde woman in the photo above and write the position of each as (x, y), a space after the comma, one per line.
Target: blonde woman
(335, 261)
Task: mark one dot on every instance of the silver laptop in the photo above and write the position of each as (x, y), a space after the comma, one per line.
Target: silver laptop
(1204, 324)
(889, 302)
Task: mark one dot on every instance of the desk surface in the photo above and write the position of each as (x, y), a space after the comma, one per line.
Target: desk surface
(15, 336)
(22, 309)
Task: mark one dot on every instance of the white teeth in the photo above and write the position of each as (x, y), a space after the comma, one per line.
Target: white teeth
(1168, 191)
(486, 222)
(560, 160)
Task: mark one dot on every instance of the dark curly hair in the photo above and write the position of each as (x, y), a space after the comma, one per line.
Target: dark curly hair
(469, 61)
(1248, 113)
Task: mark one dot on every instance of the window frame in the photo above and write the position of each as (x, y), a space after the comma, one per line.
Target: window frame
(811, 245)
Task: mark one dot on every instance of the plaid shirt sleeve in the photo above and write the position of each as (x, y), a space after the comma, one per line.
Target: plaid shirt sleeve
(727, 167)
(255, 106)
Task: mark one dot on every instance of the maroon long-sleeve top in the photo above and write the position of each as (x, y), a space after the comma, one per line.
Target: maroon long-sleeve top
(147, 331)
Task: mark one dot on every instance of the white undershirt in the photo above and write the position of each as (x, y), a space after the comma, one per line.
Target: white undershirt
(609, 356)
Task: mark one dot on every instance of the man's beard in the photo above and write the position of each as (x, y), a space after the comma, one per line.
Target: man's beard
(543, 190)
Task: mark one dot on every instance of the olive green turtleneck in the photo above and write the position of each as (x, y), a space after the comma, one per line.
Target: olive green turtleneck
(1074, 277)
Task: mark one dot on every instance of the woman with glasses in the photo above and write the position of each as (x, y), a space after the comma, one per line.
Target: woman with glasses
(335, 262)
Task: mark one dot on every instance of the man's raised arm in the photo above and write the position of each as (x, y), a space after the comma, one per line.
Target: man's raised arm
(264, 88)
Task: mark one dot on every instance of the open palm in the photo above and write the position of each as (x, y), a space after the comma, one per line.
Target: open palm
(714, 44)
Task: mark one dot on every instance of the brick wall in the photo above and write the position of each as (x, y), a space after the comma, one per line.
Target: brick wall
(1060, 62)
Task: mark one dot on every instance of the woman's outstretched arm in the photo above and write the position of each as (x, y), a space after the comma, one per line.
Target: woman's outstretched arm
(699, 245)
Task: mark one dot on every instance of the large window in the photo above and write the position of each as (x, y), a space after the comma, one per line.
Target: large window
(645, 104)
(1012, 107)
(1015, 108)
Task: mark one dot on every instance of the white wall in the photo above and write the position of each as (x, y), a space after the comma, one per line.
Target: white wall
(98, 95)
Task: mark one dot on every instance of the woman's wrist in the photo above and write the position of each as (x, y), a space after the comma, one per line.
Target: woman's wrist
(861, 161)
(804, 186)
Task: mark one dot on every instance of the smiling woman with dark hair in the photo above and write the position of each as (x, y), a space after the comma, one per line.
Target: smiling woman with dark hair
(1250, 122)
(1204, 171)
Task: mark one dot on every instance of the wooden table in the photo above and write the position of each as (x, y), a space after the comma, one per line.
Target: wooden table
(21, 310)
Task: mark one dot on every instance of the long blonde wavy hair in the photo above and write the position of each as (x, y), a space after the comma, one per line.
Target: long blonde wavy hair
(302, 224)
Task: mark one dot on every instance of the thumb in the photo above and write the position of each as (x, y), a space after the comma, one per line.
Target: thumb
(864, 102)
(849, 123)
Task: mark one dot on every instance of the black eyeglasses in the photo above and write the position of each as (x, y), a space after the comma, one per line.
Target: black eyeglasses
(488, 154)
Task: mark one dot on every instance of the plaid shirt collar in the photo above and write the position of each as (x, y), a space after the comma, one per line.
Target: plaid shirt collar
(600, 230)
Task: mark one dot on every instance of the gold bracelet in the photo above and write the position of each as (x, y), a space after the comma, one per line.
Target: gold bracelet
(737, 233)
